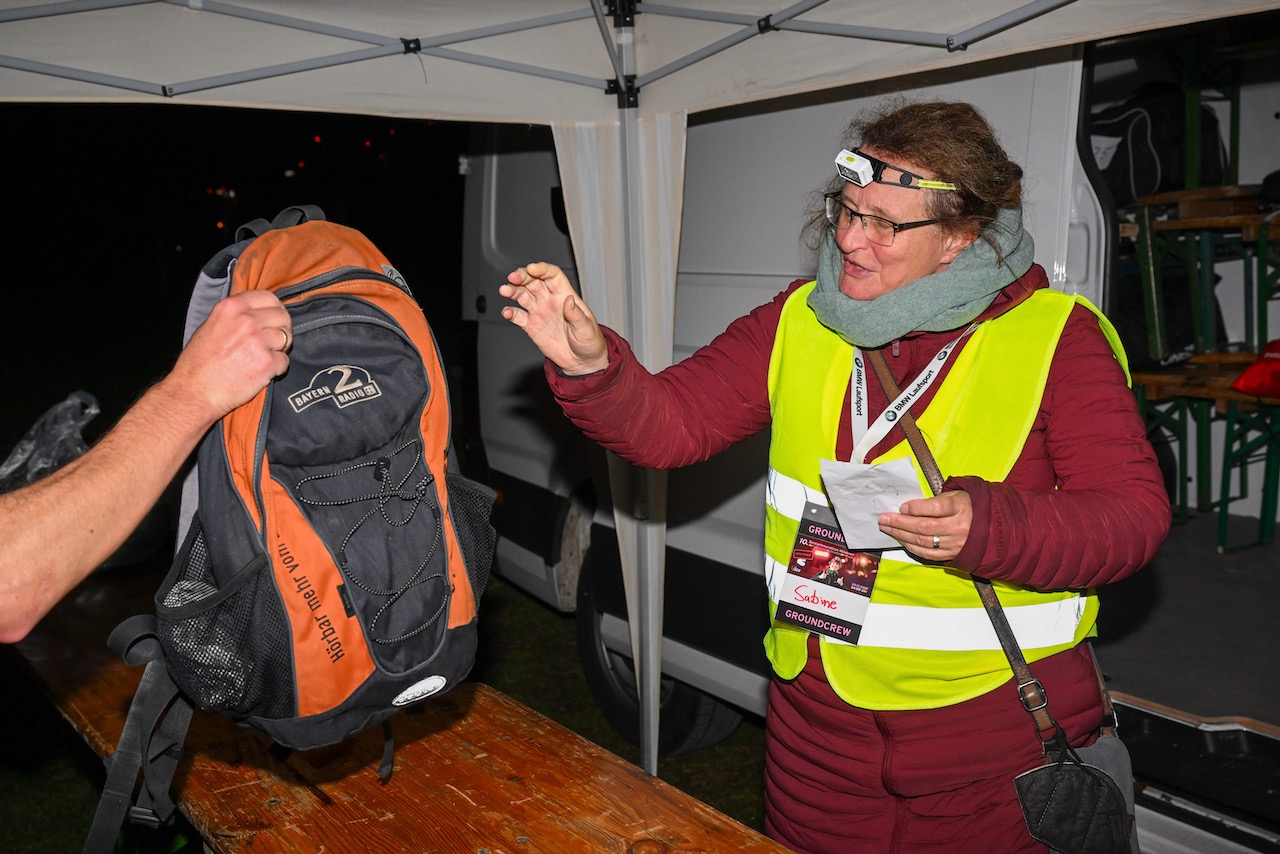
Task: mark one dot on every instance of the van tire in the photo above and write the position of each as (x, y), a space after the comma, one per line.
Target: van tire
(688, 719)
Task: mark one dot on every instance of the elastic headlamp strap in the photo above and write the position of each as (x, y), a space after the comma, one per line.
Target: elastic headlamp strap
(877, 174)
(877, 167)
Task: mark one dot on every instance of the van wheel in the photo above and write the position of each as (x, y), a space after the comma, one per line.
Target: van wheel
(688, 719)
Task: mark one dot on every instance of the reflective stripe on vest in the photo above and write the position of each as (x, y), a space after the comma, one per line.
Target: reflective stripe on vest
(927, 641)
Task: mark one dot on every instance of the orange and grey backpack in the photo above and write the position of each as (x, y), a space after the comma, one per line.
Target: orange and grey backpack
(332, 559)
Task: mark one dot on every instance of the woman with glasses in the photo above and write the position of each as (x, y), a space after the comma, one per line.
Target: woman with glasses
(897, 726)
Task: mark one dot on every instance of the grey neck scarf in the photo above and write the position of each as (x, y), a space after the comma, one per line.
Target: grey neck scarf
(935, 303)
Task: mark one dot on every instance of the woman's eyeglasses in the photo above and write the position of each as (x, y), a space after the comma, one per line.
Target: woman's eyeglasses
(878, 229)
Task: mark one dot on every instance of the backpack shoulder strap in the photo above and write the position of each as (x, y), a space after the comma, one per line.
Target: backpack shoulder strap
(253, 228)
(296, 215)
(292, 215)
(148, 745)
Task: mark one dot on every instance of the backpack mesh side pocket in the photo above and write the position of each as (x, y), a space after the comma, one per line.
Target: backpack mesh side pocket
(224, 645)
(471, 507)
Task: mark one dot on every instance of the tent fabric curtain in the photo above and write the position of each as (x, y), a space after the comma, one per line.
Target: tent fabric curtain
(624, 191)
(604, 203)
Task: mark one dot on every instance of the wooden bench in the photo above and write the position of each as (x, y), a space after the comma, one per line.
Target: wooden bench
(1197, 389)
(475, 771)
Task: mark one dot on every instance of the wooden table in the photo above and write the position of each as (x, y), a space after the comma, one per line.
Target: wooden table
(1189, 224)
(1204, 377)
(1203, 384)
(475, 772)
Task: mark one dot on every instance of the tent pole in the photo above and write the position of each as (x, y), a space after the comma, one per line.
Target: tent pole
(1021, 15)
(650, 539)
(753, 29)
(67, 73)
(70, 7)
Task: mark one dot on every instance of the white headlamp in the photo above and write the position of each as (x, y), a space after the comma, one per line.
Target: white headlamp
(854, 168)
(857, 168)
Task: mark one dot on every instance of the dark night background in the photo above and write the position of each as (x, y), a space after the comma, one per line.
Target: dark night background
(111, 210)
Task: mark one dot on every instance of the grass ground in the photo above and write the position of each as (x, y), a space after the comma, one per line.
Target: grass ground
(49, 780)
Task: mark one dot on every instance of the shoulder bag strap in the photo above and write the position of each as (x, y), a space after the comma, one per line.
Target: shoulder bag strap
(1030, 691)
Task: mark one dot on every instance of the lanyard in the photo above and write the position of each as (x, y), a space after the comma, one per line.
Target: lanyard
(865, 437)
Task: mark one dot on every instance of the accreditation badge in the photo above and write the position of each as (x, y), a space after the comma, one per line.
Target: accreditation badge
(827, 587)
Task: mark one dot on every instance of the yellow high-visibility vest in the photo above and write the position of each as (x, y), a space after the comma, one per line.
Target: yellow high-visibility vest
(926, 641)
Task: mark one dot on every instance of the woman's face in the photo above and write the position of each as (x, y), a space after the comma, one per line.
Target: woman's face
(870, 270)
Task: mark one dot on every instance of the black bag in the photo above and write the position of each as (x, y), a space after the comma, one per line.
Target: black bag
(1082, 802)
(334, 561)
(1145, 137)
(1128, 308)
(1270, 192)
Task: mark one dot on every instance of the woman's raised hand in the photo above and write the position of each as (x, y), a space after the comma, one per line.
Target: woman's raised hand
(555, 318)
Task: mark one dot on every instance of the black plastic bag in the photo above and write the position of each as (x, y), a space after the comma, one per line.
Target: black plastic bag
(55, 440)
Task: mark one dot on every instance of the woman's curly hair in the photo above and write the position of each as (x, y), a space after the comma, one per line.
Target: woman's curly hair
(951, 140)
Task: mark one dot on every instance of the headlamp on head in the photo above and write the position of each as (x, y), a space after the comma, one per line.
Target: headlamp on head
(854, 168)
(860, 169)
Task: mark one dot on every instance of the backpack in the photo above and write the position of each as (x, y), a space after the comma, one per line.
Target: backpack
(1140, 145)
(332, 560)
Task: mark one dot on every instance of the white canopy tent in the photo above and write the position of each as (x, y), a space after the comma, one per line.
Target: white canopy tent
(616, 83)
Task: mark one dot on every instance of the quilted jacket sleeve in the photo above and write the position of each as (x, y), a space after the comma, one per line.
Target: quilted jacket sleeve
(685, 413)
(1109, 512)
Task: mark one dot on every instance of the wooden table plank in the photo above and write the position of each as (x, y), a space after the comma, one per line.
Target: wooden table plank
(1199, 194)
(1248, 225)
(1207, 379)
(474, 771)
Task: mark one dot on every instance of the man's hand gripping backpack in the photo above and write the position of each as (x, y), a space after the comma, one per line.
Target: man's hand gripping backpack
(332, 567)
